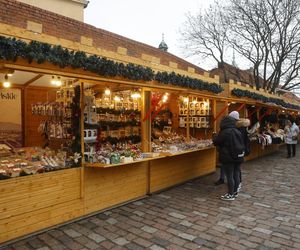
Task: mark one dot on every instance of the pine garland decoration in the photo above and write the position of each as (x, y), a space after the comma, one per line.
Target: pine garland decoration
(258, 97)
(11, 49)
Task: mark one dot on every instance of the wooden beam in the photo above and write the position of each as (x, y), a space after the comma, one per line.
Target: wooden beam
(26, 84)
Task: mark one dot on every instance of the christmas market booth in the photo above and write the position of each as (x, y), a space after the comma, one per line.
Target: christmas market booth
(267, 114)
(87, 125)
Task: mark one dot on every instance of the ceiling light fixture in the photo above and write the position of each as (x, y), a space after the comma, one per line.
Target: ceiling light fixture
(6, 83)
(107, 91)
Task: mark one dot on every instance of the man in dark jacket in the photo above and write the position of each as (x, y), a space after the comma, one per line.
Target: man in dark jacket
(230, 164)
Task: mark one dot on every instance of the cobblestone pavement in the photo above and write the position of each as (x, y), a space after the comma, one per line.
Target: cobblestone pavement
(266, 215)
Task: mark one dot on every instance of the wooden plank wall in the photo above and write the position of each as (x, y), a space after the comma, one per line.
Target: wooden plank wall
(107, 187)
(32, 203)
(219, 107)
(167, 172)
(34, 95)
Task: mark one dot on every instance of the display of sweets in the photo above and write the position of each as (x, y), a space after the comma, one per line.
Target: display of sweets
(115, 154)
(176, 146)
(33, 160)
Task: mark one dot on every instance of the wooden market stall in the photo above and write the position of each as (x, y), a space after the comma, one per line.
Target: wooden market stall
(263, 109)
(57, 87)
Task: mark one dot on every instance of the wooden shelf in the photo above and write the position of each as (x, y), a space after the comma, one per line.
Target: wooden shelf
(186, 152)
(102, 165)
(196, 115)
(162, 155)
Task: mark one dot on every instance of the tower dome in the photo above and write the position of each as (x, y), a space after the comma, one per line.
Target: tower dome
(163, 46)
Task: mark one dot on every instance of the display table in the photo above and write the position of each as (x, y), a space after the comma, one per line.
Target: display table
(32, 203)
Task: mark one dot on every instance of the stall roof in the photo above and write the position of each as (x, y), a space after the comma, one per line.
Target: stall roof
(40, 21)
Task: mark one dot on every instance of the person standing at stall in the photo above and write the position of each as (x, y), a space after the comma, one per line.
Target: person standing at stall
(242, 124)
(231, 154)
(291, 132)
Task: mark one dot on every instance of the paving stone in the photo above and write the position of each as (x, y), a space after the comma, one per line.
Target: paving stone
(187, 236)
(286, 219)
(262, 230)
(133, 246)
(177, 215)
(161, 242)
(96, 237)
(271, 244)
(149, 230)
(156, 247)
(226, 209)
(164, 196)
(139, 213)
(261, 204)
(226, 224)
(120, 241)
(247, 218)
(142, 242)
(138, 203)
(112, 221)
(72, 233)
(186, 223)
(200, 214)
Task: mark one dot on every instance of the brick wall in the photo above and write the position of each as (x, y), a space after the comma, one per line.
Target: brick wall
(17, 14)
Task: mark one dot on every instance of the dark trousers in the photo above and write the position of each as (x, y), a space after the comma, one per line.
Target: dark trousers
(232, 172)
(222, 173)
(290, 148)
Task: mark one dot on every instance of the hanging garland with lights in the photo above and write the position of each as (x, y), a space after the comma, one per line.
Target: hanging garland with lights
(246, 93)
(11, 49)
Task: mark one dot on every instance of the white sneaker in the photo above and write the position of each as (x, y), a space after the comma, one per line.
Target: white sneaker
(239, 188)
(227, 197)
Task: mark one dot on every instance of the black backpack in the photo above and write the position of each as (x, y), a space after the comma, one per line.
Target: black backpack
(236, 145)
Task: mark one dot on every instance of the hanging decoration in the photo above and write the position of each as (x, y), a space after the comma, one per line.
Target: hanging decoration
(11, 49)
(248, 94)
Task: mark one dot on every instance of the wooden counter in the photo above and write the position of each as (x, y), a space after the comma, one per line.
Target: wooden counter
(32, 203)
(180, 167)
(258, 151)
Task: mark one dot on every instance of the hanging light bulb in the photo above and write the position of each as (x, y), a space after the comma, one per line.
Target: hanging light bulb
(135, 95)
(186, 99)
(107, 91)
(53, 81)
(6, 83)
(58, 82)
(117, 98)
(165, 97)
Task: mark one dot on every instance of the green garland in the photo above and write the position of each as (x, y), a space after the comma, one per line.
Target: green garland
(246, 93)
(12, 49)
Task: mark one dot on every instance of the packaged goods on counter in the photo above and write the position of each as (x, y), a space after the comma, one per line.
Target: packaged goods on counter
(34, 160)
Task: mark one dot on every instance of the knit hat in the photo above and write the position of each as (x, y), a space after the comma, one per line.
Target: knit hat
(235, 115)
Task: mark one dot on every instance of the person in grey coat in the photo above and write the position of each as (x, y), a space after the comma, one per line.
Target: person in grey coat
(291, 132)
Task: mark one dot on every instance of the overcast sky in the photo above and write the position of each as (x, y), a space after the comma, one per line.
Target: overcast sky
(145, 21)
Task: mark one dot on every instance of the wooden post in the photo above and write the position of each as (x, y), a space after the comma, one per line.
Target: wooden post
(146, 123)
(214, 113)
(188, 121)
(82, 176)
